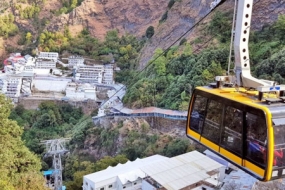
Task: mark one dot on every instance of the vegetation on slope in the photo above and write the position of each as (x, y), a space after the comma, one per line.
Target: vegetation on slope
(171, 75)
(20, 169)
(7, 26)
(92, 148)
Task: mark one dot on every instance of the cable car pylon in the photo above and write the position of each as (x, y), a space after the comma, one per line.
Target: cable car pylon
(56, 149)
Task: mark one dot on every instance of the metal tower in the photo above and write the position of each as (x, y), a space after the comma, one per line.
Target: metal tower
(55, 148)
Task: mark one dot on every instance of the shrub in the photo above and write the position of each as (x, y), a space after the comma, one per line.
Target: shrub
(170, 3)
(164, 17)
(149, 32)
(183, 41)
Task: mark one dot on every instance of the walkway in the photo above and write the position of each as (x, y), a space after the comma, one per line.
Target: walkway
(121, 111)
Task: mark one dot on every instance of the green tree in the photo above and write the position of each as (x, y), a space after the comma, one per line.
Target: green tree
(28, 37)
(187, 51)
(159, 62)
(164, 17)
(170, 3)
(280, 26)
(19, 167)
(149, 32)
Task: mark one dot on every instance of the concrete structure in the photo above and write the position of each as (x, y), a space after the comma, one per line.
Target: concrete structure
(50, 84)
(80, 92)
(108, 74)
(75, 61)
(48, 56)
(45, 64)
(236, 178)
(99, 74)
(89, 74)
(189, 170)
(239, 179)
(11, 87)
(14, 64)
(36, 73)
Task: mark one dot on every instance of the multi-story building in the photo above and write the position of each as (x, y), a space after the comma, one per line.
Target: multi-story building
(11, 87)
(108, 74)
(48, 55)
(43, 64)
(80, 91)
(89, 74)
(75, 61)
(101, 74)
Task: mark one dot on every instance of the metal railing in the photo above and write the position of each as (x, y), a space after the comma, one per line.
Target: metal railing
(144, 114)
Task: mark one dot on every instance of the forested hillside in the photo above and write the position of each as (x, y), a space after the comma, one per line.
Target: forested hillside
(92, 148)
(171, 75)
(166, 80)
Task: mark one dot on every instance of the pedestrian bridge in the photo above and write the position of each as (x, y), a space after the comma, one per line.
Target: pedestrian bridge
(144, 112)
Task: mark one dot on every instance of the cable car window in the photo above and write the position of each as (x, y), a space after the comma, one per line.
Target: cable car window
(232, 130)
(279, 143)
(211, 128)
(198, 113)
(256, 138)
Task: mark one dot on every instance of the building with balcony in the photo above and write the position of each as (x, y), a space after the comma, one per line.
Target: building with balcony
(89, 74)
(43, 64)
(108, 74)
(48, 56)
(75, 61)
(11, 87)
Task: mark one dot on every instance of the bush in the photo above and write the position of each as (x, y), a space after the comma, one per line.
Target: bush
(183, 41)
(149, 32)
(164, 17)
(170, 3)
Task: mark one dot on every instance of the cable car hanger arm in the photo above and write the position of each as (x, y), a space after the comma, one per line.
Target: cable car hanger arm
(243, 77)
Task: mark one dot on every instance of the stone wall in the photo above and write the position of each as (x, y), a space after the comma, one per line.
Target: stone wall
(87, 106)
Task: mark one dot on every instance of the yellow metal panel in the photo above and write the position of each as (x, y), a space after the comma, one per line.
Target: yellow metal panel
(193, 134)
(231, 156)
(270, 145)
(246, 98)
(254, 169)
(209, 144)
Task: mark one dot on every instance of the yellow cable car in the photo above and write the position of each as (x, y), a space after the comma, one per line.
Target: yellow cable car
(236, 125)
(245, 124)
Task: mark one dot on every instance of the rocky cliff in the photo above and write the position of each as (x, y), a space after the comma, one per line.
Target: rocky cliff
(99, 16)
(134, 16)
(183, 15)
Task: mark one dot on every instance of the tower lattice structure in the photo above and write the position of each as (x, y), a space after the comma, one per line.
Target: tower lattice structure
(55, 148)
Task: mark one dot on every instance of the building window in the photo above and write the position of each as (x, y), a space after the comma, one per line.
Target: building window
(102, 188)
(110, 186)
(86, 183)
(124, 187)
(135, 183)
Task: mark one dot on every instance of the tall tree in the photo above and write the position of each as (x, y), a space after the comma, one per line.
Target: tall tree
(19, 167)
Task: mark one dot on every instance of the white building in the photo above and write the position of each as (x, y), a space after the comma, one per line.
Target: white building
(75, 61)
(43, 64)
(108, 75)
(50, 84)
(190, 170)
(102, 74)
(48, 55)
(80, 92)
(89, 74)
(11, 87)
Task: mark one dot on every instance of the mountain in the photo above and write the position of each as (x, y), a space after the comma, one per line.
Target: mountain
(170, 18)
